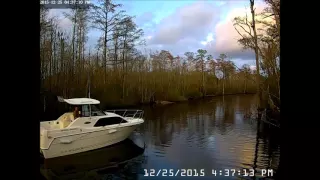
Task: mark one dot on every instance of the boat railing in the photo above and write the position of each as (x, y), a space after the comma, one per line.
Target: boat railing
(133, 113)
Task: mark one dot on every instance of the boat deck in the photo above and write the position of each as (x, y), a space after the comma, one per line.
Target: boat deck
(50, 125)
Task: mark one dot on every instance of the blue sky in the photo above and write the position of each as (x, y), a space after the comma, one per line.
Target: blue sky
(183, 25)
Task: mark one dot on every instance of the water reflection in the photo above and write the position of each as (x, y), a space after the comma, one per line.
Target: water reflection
(114, 162)
(209, 134)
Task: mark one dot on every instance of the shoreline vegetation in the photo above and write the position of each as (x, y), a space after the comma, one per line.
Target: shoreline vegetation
(120, 73)
(54, 108)
(164, 103)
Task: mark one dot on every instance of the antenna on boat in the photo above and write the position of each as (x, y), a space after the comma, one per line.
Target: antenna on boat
(88, 85)
(89, 93)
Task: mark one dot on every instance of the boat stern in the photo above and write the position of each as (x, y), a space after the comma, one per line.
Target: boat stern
(45, 141)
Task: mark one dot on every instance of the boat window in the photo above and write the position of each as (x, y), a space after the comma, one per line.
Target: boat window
(85, 111)
(109, 121)
(95, 111)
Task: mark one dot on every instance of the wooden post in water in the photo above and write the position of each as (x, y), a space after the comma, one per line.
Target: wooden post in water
(256, 148)
(223, 100)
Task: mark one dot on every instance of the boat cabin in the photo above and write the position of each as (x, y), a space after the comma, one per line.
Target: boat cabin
(79, 107)
(84, 112)
(86, 108)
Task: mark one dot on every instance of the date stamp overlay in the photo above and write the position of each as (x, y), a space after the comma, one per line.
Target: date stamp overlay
(202, 172)
(174, 172)
(65, 4)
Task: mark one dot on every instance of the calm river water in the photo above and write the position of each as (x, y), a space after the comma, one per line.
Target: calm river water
(197, 138)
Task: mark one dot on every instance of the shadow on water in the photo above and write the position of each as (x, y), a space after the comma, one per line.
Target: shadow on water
(114, 162)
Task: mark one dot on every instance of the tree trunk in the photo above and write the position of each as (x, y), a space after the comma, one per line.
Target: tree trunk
(73, 43)
(79, 54)
(105, 56)
(256, 50)
(202, 70)
(245, 86)
(51, 59)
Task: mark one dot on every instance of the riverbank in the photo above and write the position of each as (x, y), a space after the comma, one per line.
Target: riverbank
(52, 109)
(164, 102)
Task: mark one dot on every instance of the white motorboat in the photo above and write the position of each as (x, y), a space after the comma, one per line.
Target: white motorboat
(93, 128)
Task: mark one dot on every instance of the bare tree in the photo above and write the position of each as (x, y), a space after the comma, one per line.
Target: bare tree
(105, 18)
(266, 46)
(120, 73)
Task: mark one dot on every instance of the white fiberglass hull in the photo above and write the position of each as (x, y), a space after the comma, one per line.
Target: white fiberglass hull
(86, 141)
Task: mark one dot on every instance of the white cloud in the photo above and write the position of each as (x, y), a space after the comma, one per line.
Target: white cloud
(253, 67)
(226, 40)
(209, 39)
(191, 27)
(58, 14)
(190, 21)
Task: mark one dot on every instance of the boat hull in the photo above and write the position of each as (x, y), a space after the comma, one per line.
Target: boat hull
(87, 141)
(92, 164)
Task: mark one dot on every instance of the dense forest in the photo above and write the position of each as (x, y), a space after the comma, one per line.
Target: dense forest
(118, 73)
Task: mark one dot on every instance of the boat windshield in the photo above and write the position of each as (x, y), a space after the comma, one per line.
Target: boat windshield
(95, 111)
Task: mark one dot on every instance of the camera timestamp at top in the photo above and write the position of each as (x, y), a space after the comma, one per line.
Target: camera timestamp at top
(65, 4)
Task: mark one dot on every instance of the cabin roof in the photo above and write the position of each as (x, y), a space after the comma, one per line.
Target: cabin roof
(81, 101)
